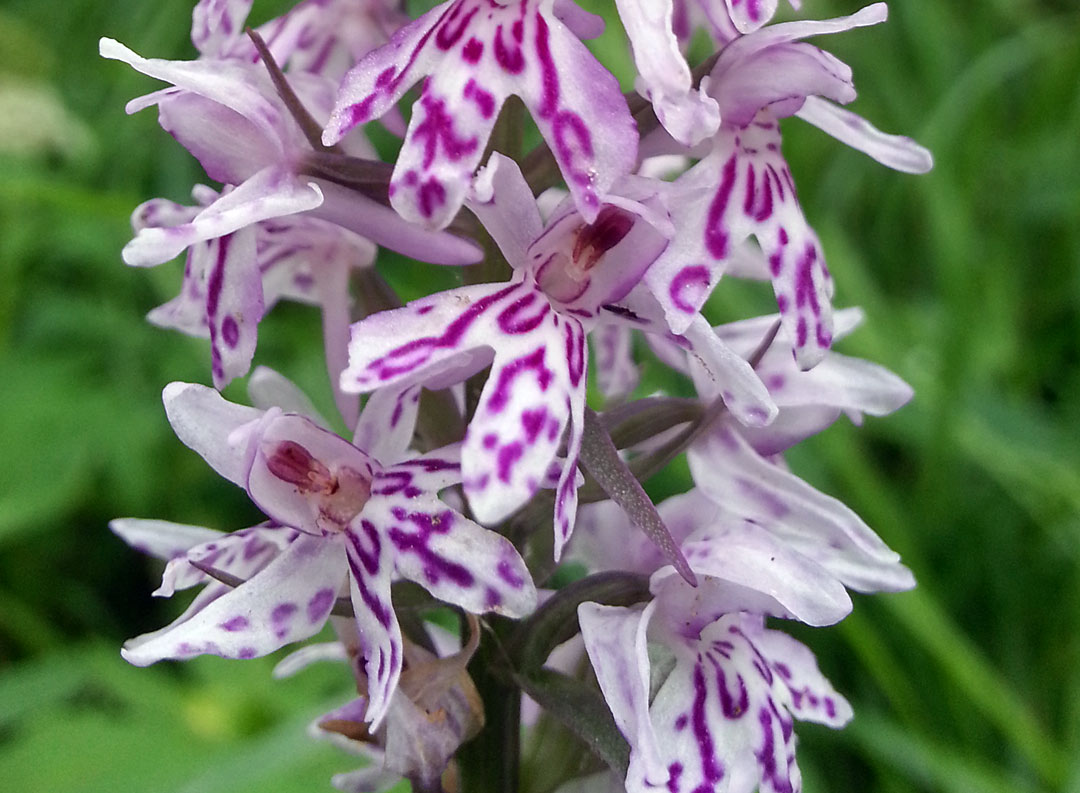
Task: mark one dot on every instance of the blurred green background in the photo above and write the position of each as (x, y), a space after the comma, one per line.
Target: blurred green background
(970, 280)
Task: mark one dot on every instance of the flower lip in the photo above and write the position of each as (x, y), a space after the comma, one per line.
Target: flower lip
(337, 496)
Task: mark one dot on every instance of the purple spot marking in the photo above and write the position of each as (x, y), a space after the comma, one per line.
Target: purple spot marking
(473, 50)
(432, 194)
(674, 772)
(370, 563)
(319, 605)
(800, 333)
(282, 613)
(234, 624)
(532, 421)
(508, 455)
(693, 280)
(716, 237)
(246, 652)
(575, 351)
(230, 332)
(680, 723)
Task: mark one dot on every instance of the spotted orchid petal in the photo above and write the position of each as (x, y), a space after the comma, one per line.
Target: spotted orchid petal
(289, 600)
(477, 54)
(240, 554)
(536, 383)
(749, 15)
(746, 485)
(371, 563)
(751, 192)
(689, 115)
(722, 715)
(452, 557)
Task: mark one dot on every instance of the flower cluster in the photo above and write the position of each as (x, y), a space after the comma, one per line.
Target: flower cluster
(476, 466)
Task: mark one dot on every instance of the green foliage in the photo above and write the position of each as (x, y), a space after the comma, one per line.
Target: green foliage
(970, 281)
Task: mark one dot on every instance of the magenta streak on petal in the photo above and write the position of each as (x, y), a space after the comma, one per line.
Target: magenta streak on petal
(575, 351)
(485, 101)
(534, 362)
(779, 183)
(509, 320)
(447, 36)
(384, 367)
(319, 605)
(710, 768)
(392, 482)
(511, 60)
(716, 237)
(508, 574)
(732, 708)
(430, 465)
(804, 280)
(370, 564)
(549, 74)
(675, 770)
(435, 566)
(694, 280)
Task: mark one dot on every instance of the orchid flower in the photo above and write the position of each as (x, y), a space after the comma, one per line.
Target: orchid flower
(743, 187)
(355, 522)
(215, 104)
(722, 714)
(475, 54)
(566, 279)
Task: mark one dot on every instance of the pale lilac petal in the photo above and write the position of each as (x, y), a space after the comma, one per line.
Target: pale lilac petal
(301, 659)
(812, 697)
(270, 389)
(452, 557)
(898, 152)
(785, 32)
(205, 422)
(384, 226)
(791, 426)
(664, 78)
(238, 86)
(570, 479)
(503, 202)
(371, 562)
(615, 641)
(270, 193)
(234, 304)
(161, 213)
(743, 567)
(161, 538)
(431, 472)
(284, 603)
(583, 24)
(387, 423)
(617, 374)
(745, 485)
